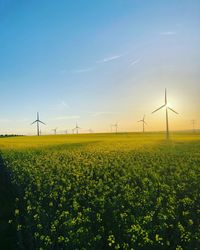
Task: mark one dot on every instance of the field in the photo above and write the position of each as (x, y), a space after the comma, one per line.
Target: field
(100, 191)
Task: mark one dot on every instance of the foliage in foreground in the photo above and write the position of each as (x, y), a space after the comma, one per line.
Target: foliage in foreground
(96, 196)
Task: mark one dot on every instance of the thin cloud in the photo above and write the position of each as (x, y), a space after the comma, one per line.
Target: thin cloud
(136, 61)
(61, 106)
(77, 71)
(5, 120)
(108, 59)
(67, 117)
(168, 33)
(102, 113)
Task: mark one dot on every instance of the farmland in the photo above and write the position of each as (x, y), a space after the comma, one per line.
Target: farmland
(101, 191)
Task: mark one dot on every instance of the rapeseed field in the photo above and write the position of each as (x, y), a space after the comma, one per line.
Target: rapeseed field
(102, 191)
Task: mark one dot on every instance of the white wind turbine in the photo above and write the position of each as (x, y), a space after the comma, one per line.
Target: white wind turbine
(143, 122)
(90, 131)
(55, 131)
(193, 125)
(165, 105)
(37, 121)
(76, 128)
(116, 127)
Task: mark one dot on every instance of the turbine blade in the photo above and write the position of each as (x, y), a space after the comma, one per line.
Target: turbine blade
(140, 121)
(41, 122)
(173, 110)
(145, 123)
(34, 122)
(165, 96)
(159, 108)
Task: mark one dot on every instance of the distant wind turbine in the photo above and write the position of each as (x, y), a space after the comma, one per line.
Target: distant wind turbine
(165, 105)
(66, 131)
(143, 122)
(90, 130)
(37, 121)
(193, 125)
(76, 128)
(116, 127)
(55, 131)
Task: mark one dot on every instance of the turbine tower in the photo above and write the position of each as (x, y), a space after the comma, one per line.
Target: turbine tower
(76, 128)
(37, 121)
(165, 105)
(143, 122)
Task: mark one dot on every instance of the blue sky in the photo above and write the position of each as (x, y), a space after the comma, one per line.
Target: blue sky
(98, 62)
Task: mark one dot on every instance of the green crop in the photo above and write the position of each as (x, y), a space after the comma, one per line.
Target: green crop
(124, 191)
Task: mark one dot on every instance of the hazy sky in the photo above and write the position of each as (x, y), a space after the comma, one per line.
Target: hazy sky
(98, 62)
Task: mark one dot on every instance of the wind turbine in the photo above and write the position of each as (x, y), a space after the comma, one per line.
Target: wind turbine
(165, 105)
(55, 130)
(193, 125)
(143, 121)
(77, 128)
(38, 124)
(90, 131)
(116, 126)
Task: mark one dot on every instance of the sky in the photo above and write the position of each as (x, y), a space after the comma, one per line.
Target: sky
(98, 63)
